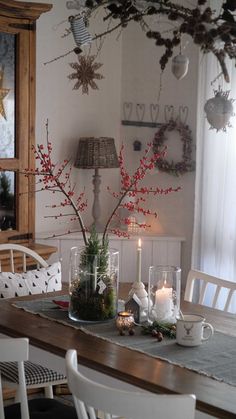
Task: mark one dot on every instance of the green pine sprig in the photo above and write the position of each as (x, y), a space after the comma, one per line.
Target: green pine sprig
(167, 329)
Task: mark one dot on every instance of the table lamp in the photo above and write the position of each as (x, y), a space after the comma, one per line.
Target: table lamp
(96, 153)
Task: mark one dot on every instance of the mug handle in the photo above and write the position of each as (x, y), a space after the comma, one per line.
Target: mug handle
(210, 329)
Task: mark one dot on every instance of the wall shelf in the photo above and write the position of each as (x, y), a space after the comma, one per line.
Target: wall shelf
(141, 124)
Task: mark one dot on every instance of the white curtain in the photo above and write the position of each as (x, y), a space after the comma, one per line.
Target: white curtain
(214, 236)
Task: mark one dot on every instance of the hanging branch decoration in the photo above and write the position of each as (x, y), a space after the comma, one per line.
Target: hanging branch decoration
(85, 73)
(186, 164)
(201, 23)
(3, 94)
(212, 32)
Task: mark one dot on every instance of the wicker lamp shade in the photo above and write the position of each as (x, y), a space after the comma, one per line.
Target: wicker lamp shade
(95, 153)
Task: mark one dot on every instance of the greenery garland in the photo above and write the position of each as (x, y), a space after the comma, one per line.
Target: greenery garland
(186, 164)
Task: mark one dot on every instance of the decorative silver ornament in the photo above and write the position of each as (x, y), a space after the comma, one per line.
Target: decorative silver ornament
(180, 66)
(219, 110)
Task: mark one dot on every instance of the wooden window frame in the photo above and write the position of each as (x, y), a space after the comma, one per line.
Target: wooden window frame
(19, 18)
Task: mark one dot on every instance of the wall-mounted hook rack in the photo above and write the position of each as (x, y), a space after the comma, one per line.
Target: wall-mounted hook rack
(140, 112)
(141, 124)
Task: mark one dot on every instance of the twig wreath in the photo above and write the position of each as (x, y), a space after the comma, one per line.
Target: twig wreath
(186, 164)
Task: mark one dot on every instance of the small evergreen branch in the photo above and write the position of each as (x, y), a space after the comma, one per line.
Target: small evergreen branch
(167, 329)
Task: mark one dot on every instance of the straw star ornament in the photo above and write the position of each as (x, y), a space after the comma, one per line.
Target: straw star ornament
(3, 94)
(85, 73)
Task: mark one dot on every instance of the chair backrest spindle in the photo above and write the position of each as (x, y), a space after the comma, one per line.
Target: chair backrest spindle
(17, 250)
(204, 281)
(12, 261)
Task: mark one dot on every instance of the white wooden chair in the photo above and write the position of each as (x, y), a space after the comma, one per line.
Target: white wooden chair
(13, 284)
(200, 282)
(90, 397)
(17, 350)
(24, 251)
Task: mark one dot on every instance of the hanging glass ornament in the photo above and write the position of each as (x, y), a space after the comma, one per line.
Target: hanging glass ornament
(219, 110)
(180, 66)
(76, 4)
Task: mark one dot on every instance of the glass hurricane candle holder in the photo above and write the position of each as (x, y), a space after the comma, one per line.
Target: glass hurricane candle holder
(164, 287)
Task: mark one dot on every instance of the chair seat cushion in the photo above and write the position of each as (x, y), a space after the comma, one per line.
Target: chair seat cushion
(42, 409)
(34, 373)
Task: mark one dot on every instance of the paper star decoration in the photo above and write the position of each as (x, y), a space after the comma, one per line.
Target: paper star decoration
(3, 94)
(85, 73)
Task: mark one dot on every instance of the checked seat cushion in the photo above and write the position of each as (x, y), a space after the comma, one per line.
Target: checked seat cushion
(34, 373)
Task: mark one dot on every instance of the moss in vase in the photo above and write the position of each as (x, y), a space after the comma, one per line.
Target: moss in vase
(93, 305)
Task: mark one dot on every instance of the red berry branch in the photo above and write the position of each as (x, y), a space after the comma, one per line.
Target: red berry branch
(130, 188)
(56, 178)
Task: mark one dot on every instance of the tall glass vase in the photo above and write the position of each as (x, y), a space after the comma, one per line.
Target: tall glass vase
(93, 285)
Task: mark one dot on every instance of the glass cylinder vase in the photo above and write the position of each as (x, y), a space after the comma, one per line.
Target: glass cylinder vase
(93, 285)
(164, 288)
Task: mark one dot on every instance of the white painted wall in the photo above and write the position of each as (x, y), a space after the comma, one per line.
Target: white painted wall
(140, 84)
(131, 70)
(73, 115)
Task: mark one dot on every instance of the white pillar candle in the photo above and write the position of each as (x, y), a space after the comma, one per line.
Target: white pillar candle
(139, 258)
(163, 301)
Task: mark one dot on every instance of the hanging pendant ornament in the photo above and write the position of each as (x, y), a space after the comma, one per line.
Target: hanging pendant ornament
(79, 30)
(180, 66)
(85, 73)
(219, 110)
(76, 4)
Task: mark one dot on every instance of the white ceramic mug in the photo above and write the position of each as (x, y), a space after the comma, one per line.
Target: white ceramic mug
(190, 330)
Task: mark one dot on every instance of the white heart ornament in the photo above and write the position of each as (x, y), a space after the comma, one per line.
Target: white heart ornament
(180, 66)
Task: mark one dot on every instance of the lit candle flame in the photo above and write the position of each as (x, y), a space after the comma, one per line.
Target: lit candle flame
(139, 243)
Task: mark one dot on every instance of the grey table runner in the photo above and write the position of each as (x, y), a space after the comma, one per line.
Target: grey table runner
(215, 358)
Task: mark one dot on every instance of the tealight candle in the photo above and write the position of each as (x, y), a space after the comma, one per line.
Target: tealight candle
(125, 322)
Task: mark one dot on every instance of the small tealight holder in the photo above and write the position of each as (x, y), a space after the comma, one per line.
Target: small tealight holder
(125, 322)
(164, 287)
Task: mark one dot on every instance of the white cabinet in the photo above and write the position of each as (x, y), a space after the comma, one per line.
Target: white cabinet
(156, 250)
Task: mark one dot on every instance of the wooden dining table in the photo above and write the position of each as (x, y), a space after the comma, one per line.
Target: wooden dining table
(213, 397)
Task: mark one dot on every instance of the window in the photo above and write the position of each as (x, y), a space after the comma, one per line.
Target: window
(17, 107)
(214, 238)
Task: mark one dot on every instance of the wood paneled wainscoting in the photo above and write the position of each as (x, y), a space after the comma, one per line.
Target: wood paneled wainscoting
(156, 250)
